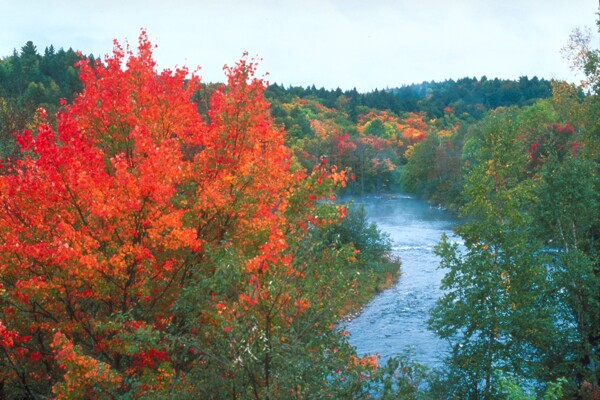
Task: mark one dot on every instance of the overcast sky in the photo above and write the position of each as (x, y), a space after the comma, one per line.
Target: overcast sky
(365, 44)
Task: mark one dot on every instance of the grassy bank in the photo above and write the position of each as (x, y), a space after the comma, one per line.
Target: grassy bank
(369, 282)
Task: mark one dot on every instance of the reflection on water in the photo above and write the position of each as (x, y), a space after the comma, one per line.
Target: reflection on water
(397, 318)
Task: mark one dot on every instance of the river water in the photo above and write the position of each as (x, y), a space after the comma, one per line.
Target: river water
(396, 320)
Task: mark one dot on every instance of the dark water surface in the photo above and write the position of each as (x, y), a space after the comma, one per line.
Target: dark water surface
(397, 318)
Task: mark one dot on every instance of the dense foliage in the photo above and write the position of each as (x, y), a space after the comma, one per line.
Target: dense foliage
(523, 295)
(146, 252)
(408, 138)
(374, 134)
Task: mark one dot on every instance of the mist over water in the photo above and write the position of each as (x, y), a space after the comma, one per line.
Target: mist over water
(397, 318)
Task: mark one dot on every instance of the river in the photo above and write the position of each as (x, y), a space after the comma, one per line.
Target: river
(397, 318)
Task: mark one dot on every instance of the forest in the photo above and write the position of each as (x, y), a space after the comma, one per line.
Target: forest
(162, 237)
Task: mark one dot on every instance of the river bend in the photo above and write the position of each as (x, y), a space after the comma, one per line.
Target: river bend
(397, 318)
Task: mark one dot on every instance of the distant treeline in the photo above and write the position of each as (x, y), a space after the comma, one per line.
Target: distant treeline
(466, 95)
(373, 134)
(29, 80)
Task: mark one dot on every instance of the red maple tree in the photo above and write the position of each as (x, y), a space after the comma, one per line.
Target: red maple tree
(136, 208)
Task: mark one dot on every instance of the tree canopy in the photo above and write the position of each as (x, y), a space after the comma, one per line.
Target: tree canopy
(149, 252)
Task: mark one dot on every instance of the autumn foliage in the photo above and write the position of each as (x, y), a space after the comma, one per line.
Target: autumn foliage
(143, 247)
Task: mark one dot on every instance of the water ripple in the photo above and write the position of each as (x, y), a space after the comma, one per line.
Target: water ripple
(397, 318)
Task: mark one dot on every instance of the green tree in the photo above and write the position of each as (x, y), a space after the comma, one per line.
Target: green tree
(568, 220)
(495, 312)
(375, 127)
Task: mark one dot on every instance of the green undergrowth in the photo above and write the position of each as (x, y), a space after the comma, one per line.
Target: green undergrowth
(370, 281)
(374, 267)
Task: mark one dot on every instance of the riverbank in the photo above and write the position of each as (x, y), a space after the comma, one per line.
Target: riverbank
(396, 319)
(368, 284)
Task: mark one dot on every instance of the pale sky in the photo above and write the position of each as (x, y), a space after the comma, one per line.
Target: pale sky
(365, 44)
